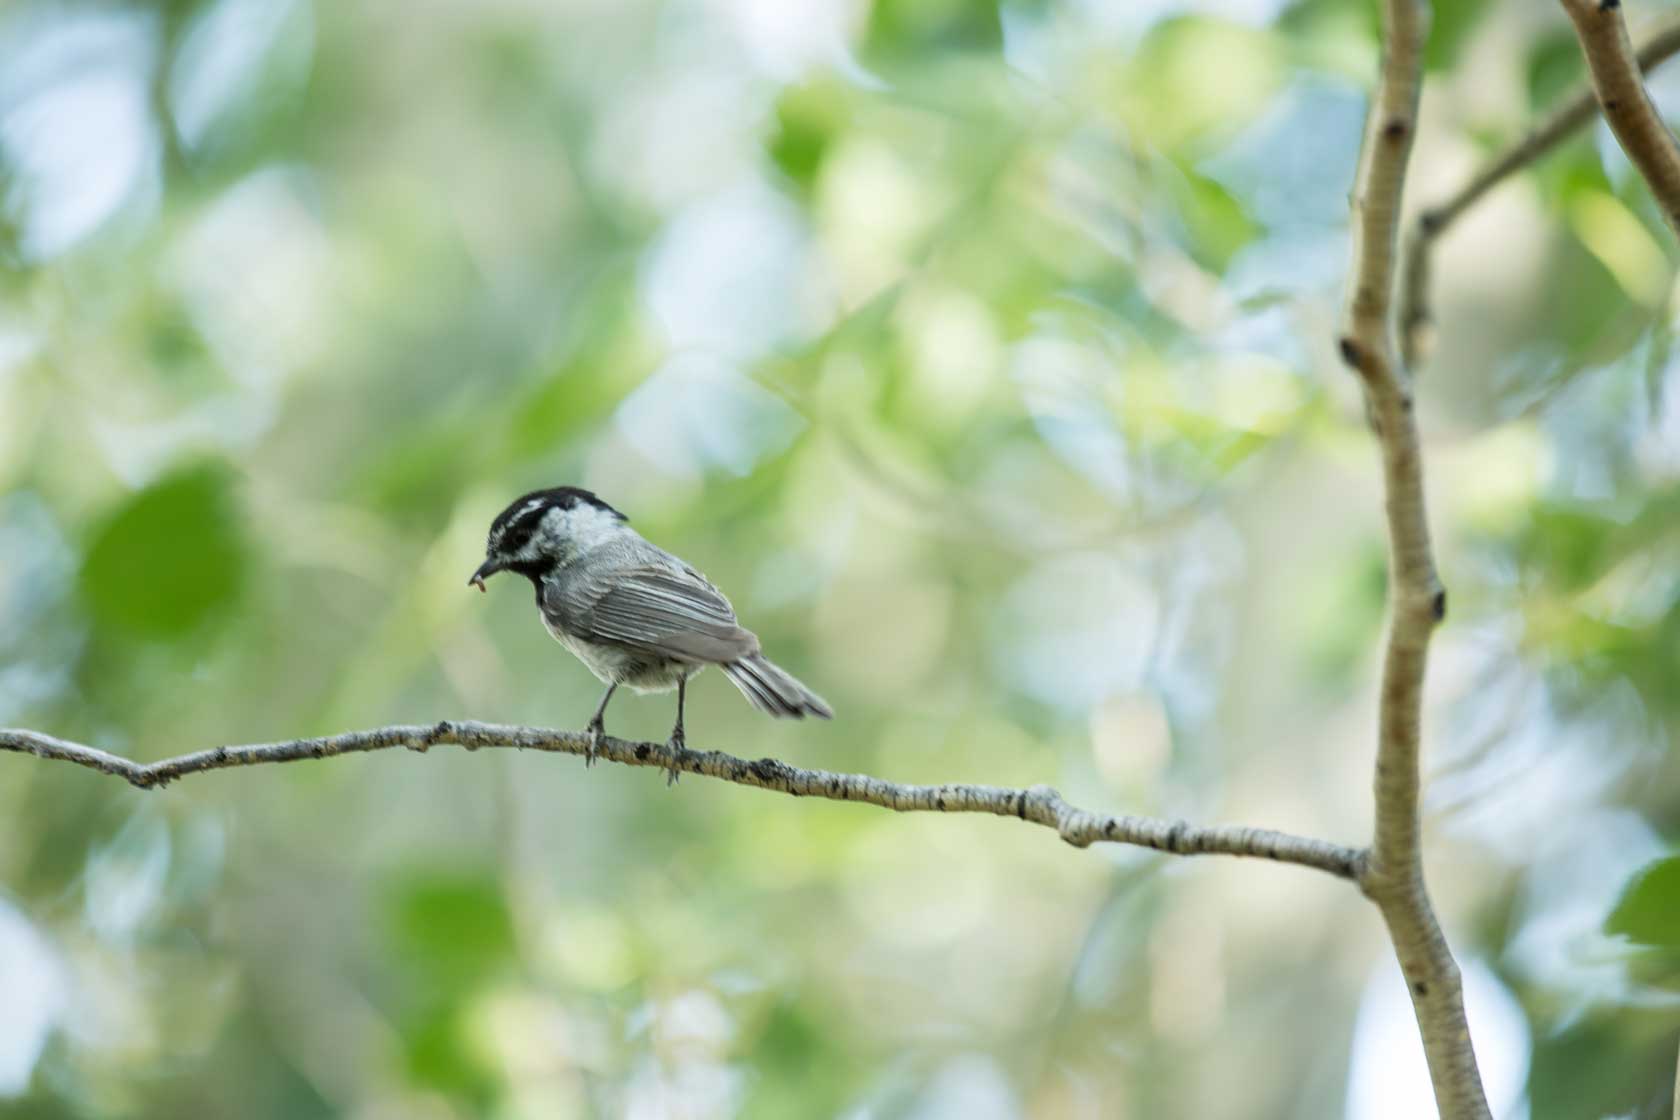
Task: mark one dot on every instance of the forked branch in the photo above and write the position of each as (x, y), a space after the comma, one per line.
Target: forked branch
(1416, 316)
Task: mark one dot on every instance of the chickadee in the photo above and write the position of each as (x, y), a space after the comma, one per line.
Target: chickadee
(629, 610)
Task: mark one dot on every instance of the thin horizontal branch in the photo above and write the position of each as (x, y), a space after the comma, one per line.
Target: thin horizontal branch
(1039, 804)
(1620, 87)
(1416, 315)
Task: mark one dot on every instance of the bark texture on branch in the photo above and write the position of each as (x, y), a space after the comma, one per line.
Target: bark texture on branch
(1620, 87)
(1394, 877)
(1038, 804)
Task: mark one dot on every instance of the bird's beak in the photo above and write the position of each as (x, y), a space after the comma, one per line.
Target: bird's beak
(488, 568)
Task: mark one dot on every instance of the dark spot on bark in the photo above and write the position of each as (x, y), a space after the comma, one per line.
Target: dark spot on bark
(318, 751)
(1021, 804)
(1175, 836)
(940, 802)
(1421, 988)
(1109, 828)
(1611, 105)
(1350, 352)
(1609, 5)
(642, 751)
(442, 728)
(767, 770)
(1430, 222)
(1396, 129)
(1438, 605)
(221, 754)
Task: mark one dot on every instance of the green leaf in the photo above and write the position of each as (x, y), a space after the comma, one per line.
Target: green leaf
(451, 933)
(1585, 310)
(439, 1056)
(1554, 67)
(1603, 1066)
(1450, 29)
(908, 27)
(800, 1069)
(1214, 221)
(1572, 170)
(170, 559)
(808, 118)
(1649, 910)
(1569, 544)
(453, 927)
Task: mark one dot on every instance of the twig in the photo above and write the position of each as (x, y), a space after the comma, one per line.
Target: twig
(1415, 313)
(1394, 878)
(1038, 804)
(1621, 93)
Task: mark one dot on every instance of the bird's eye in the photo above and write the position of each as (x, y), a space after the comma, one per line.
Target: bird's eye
(514, 538)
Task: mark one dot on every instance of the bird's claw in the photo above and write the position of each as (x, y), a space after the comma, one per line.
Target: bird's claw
(597, 736)
(677, 745)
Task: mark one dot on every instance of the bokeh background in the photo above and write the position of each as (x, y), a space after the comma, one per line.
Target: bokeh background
(983, 354)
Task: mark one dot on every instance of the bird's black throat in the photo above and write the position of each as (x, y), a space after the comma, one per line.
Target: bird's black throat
(532, 570)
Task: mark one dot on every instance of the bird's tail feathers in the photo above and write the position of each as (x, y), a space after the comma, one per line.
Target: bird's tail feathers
(773, 690)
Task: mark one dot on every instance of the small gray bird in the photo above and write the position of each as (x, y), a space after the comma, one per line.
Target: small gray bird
(629, 610)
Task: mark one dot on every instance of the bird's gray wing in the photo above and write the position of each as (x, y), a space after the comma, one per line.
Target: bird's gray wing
(658, 610)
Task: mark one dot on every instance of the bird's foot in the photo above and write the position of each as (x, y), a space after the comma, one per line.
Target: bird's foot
(597, 736)
(677, 744)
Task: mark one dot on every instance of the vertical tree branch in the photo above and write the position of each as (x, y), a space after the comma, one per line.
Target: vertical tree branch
(1393, 877)
(1621, 93)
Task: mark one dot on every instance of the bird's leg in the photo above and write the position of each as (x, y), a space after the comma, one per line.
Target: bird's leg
(678, 742)
(597, 727)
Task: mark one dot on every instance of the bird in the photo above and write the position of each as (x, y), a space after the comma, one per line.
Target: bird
(633, 613)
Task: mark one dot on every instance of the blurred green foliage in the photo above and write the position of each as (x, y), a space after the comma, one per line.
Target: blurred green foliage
(1555, 69)
(982, 354)
(1649, 910)
(170, 558)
